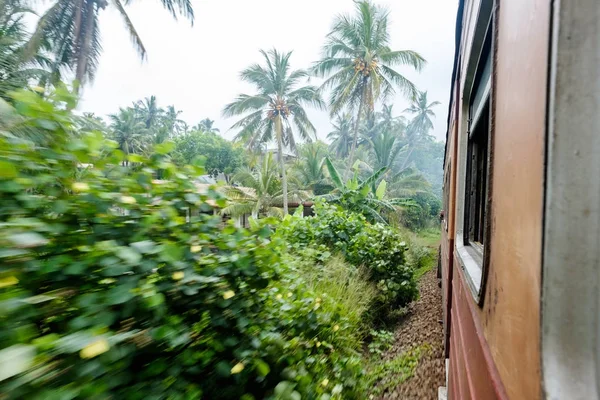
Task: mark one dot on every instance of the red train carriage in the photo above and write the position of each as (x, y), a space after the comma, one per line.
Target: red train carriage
(520, 256)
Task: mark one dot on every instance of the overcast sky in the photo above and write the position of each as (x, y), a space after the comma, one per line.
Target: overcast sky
(197, 68)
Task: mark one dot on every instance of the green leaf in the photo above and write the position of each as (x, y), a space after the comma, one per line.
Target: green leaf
(172, 253)
(27, 239)
(373, 178)
(334, 174)
(156, 300)
(380, 192)
(262, 367)
(164, 148)
(7, 170)
(119, 295)
(146, 247)
(128, 255)
(135, 158)
(15, 360)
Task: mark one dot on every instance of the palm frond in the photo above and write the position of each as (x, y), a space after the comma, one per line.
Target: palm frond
(135, 37)
(334, 174)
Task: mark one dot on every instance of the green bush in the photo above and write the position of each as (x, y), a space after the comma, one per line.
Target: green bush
(424, 213)
(377, 248)
(318, 329)
(108, 291)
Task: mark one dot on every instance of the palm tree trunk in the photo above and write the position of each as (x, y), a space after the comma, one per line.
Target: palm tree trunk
(407, 158)
(279, 133)
(355, 139)
(77, 23)
(86, 43)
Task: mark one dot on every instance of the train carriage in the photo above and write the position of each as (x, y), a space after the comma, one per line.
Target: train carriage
(520, 252)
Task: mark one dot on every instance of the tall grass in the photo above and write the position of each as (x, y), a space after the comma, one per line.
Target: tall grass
(422, 248)
(348, 286)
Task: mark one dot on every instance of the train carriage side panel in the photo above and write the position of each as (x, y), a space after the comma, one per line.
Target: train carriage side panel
(494, 344)
(511, 313)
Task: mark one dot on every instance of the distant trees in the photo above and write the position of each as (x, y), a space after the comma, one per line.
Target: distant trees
(358, 61)
(143, 125)
(206, 125)
(360, 71)
(220, 155)
(277, 110)
(341, 136)
(129, 131)
(422, 111)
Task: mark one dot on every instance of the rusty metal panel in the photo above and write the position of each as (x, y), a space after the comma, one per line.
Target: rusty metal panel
(473, 373)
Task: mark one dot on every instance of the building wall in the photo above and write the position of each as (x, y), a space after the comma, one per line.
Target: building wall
(495, 348)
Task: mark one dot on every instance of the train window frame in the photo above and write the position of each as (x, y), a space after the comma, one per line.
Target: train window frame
(570, 301)
(446, 204)
(476, 128)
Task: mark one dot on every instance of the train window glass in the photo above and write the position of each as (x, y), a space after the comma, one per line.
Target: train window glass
(477, 177)
(475, 159)
(477, 152)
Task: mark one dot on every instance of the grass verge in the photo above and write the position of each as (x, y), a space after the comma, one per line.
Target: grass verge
(384, 376)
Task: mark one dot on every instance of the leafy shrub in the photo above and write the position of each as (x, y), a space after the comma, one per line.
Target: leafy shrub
(381, 341)
(319, 328)
(424, 213)
(378, 248)
(107, 291)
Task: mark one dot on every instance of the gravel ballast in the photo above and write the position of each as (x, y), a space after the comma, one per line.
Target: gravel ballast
(422, 327)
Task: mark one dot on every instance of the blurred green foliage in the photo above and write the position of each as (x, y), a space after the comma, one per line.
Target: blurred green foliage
(109, 289)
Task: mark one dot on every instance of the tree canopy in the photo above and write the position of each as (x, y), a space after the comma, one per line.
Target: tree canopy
(220, 156)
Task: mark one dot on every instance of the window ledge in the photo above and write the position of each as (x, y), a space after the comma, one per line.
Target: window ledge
(471, 262)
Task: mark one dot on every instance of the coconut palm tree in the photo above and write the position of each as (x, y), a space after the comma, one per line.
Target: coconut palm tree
(260, 192)
(16, 68)
(310, 169)
(129, 131)
(171, 120)
(72, 26)
(277, 109)
(390, 123)
(341, 136)
(358, 62)
(417, 132)
(386, 147)
(408, 182)
(150, 111)
(91, 122)
(422, 111)
(207, 125)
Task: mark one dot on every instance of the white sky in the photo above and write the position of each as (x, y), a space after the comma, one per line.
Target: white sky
(197, 68)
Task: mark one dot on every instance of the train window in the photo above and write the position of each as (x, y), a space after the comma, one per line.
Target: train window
(477, 177)
(446, 204)
(477, 151)
(475, 158)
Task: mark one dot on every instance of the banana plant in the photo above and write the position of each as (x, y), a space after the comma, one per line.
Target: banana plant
(366, 196)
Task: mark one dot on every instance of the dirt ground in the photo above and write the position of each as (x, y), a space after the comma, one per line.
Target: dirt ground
(421, 327)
